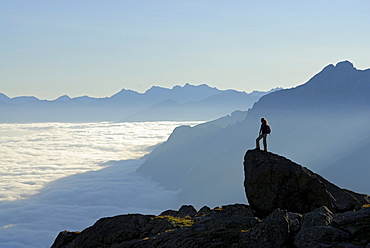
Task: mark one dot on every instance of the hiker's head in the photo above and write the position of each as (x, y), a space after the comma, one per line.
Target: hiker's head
(263, 120)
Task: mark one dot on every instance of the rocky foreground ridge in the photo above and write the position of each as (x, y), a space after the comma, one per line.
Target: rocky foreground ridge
(290, 206)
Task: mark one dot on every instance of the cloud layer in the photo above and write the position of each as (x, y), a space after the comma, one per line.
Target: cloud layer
(76, 202)
(58, 176)
(36, 154)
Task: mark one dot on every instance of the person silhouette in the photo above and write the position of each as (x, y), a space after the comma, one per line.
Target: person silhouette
(264, 131)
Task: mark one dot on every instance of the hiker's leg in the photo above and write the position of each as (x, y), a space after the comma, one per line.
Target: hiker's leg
(265, 142)
(258, 141)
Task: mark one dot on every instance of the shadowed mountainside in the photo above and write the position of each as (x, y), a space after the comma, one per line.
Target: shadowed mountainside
(314, 124)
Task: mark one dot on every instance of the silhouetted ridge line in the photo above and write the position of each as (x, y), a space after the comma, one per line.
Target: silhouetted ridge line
(187, 103)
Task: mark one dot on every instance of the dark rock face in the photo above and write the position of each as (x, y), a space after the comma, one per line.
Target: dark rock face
(227, 226)
(296, 208)
(64, 238)
(316, 229)
(219, 227)
(272, 181)
(108, 231)
(313, 237)
(272, 232)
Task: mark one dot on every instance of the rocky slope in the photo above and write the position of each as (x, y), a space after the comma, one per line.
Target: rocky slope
(345, 222)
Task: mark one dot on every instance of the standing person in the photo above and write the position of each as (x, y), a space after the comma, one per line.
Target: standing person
(264, 131)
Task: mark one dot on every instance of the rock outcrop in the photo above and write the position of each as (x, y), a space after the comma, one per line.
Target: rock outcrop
(227, 226)
(272, 232)
(218, 227)
(272, 181)
(290, 207)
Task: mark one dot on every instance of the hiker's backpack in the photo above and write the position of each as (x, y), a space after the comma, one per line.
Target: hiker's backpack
(268, 129)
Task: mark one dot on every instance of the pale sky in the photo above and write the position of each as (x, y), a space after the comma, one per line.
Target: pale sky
(50, 48)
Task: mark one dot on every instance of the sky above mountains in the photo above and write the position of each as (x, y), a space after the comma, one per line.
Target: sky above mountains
(96, 48)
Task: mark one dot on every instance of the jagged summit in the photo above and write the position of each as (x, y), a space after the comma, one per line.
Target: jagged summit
(179, 87)
(345, 65)
(124, 93)
(342, 72)
(340, 87)
(341, 65)
(155, 89)
(188, 85)
(273, 181)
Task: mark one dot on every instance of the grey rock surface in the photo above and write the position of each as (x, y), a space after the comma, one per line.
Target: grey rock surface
(272, 181)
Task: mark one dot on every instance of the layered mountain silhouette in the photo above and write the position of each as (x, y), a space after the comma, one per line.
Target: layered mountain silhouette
(179, 103)
(322, 124)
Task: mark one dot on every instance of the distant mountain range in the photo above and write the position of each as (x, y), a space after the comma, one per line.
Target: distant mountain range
(322, 124)
(189, 102)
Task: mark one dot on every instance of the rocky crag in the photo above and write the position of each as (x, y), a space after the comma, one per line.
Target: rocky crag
(272, 181)
(290, 206)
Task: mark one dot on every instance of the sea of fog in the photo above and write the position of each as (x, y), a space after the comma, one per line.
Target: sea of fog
(65, 176)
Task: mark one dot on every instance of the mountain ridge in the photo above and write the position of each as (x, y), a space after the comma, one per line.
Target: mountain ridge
(125, 104)
(312, 129)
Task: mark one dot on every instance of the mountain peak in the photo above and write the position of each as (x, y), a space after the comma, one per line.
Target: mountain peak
(125, 92)
(156, 89)
(63, 98)
(187, 85)
(344, 65)
(342, 74)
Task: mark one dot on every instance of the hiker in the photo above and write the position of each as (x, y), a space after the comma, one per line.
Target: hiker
(264, 131)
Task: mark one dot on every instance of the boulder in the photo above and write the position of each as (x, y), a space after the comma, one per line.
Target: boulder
(318, 217)
(204, 210)
(184, 211)
(109, 231)
(230, 216)
(317, 231)
(320, 236)
(295, 220)
(272, 181)
(357, 224)
(352, 216)
(272, 232)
